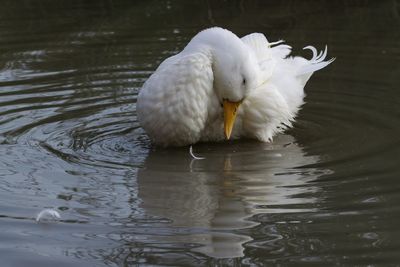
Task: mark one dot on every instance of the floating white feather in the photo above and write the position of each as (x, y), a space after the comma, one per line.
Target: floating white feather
(191, 154)
(48, 215)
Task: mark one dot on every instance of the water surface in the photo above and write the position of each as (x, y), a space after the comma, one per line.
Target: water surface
(325, 192)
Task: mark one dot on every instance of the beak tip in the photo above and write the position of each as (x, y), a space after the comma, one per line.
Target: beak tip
(227, 135)
(229, 117)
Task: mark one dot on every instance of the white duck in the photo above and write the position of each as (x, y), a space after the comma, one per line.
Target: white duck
(221, 87)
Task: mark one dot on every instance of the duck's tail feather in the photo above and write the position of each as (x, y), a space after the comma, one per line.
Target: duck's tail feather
(315, 63)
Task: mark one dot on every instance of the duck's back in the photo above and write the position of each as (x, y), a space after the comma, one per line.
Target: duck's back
(172, 104)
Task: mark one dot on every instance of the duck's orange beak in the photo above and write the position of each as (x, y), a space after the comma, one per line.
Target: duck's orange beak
(230, 110)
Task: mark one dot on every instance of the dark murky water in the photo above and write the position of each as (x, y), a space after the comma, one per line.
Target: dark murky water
(325, 192)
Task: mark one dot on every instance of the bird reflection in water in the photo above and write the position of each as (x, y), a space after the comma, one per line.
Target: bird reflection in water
(207, 201)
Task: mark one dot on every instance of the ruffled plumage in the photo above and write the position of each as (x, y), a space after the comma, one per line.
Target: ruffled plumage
(178, 105)
(271, 108)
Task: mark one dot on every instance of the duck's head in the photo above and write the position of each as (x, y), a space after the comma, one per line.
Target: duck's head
(235, 70)
(235, 75)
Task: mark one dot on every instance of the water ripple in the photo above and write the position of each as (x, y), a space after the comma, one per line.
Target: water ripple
(326, 191)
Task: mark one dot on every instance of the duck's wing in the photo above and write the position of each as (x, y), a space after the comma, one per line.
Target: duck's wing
(268, 53)
(265, 56)
(172, 105)
(259, 44)
(275, 104)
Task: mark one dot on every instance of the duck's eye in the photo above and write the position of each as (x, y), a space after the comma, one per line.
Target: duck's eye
(244, 81)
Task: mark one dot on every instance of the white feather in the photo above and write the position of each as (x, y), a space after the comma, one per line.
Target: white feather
(191, 154)
(259, 44)
(317, 62)
(276, 43)
(48, 215)
(281, 51)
